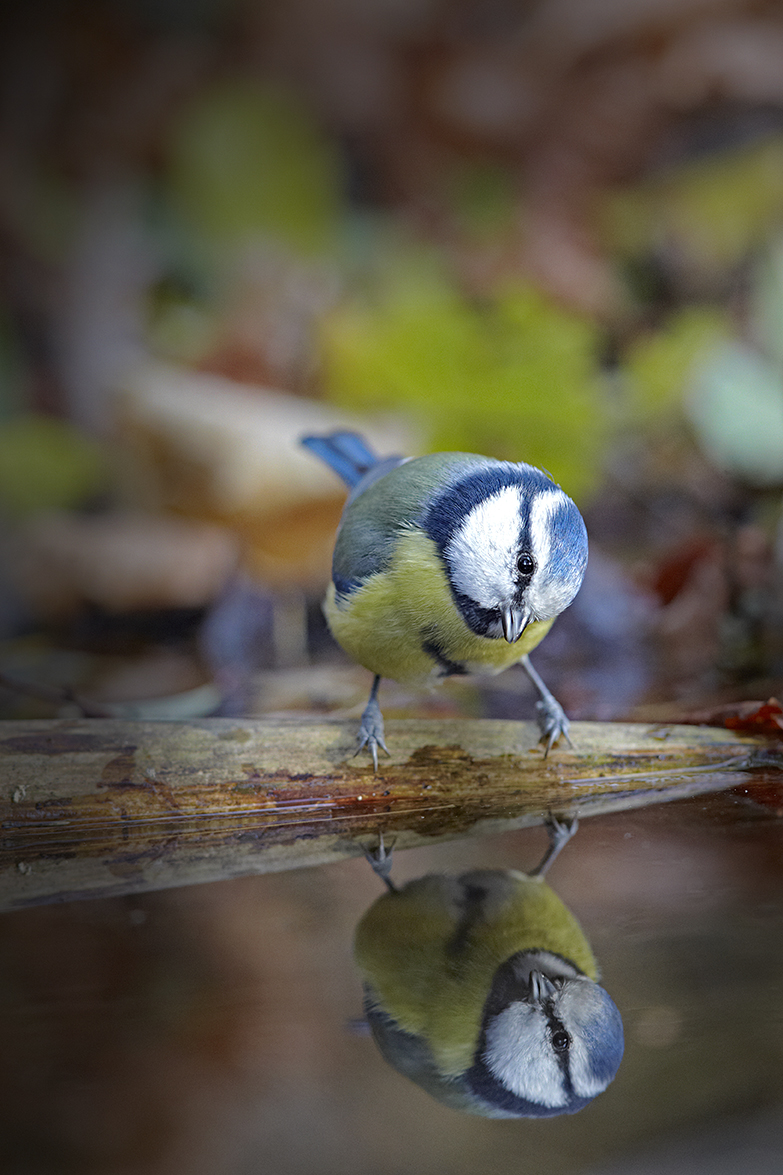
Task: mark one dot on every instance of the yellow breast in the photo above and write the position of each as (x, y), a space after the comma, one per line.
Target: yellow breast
(387, 624)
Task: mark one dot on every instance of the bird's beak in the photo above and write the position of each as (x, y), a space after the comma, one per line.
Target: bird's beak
(540, 988)
(514, 622)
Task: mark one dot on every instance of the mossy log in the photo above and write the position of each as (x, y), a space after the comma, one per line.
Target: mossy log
(98, 807)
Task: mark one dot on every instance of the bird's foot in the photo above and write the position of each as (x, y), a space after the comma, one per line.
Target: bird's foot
(552, 722)
(550, 715)
(561, 829)
(381, 862)
(371, 731)
(560, 832)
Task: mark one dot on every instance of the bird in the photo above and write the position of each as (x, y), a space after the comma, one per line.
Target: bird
(449, 563)
(483, 990)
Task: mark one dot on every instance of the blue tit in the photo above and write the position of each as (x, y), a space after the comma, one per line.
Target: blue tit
(483, 990)
(448, 563)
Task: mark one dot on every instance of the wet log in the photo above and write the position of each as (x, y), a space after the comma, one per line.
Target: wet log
(99, 807)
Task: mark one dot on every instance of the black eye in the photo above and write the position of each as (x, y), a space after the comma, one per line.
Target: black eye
(560, 1040)
(526, 565)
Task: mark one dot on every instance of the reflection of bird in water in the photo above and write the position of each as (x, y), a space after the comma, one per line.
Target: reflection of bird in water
(449, 563)
(482, 989)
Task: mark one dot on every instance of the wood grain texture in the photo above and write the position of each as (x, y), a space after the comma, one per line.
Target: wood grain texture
(97, 807)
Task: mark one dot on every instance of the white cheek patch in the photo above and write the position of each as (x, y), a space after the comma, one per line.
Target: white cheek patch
(585, 1083)
(482, 552)
(519, 1055)
(596, 1036)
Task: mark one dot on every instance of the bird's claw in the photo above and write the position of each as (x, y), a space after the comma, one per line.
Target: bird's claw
(550, 715)
(560, 830)
(552, 723)
(372, 742)
(371, 734)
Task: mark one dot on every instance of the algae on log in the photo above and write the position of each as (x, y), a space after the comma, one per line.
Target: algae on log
(99, 807)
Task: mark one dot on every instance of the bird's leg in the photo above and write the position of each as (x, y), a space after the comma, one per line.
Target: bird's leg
(560, 833)
(371, 727)
(551, 716)
(381, 862)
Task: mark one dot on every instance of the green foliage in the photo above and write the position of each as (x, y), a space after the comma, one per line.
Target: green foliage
(713, 211)
(45, 464)
(181, 325)
(515, 376)
(483, 198)
(658, 365)
(247, 160)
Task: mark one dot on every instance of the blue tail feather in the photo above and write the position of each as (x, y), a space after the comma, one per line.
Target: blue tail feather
(347, 453)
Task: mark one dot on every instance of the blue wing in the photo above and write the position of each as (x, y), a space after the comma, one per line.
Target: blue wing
(365, 542)
(347, 453)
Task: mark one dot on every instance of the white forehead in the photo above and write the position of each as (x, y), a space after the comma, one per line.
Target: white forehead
(482, 550)
(519, 1054)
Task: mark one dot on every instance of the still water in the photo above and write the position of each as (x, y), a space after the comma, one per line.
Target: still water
(212, 1029)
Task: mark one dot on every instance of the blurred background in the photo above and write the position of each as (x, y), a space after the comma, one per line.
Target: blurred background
(548, 230)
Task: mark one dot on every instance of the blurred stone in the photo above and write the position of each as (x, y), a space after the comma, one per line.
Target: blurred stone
(120, 562)
(159, 674)
(210, 448)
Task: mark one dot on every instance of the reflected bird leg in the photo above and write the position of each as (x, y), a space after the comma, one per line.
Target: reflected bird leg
(381, 863)
(560, 833)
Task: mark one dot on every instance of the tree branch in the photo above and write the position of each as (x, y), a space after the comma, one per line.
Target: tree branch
(94, 807)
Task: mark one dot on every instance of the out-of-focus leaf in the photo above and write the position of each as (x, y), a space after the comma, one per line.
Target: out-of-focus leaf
(515, 376)
(483, 197)
(736, 407)
(46, 464)
(713, 211)
(658, 364)
(246, 159)
(674, 571)
(181, 330)
(757, 718)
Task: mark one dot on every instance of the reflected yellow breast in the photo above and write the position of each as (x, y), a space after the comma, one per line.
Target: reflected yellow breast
(404, 949)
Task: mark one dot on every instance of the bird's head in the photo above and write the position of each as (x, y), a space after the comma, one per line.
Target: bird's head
(552, 1039)
(513, 544)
